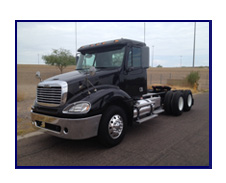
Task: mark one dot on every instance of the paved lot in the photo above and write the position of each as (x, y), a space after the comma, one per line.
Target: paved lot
(163, 141)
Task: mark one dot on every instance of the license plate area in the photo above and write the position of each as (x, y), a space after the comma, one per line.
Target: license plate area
(48, 126)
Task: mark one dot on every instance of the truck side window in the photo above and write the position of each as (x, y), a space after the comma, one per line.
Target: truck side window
(134, 59)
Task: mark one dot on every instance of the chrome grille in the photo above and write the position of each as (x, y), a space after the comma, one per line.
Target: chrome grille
(51, 93)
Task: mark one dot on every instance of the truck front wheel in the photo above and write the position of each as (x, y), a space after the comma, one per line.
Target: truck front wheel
(112, 127)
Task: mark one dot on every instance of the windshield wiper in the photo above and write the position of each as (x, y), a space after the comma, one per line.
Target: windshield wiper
(82, 69)
(101, 67)
(106, 67)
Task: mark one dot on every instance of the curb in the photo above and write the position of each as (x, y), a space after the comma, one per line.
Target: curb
(32, 134)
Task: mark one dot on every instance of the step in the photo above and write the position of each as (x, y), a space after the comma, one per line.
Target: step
(144, 104)
(158, 111)
(149, 94)
(146, 118)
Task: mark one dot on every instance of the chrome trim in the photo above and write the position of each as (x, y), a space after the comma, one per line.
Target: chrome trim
(189, 100)
(146, 106)
(135, 111)
(115, 126)
(81, 128)
(63, 96)
(144, 110)
(181, 103)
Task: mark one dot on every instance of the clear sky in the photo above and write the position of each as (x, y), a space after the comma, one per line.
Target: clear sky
(172, 41)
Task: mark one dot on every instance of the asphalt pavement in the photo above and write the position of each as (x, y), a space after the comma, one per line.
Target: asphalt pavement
(162, 141)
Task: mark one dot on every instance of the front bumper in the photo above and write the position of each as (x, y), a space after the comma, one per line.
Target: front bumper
(81, 128)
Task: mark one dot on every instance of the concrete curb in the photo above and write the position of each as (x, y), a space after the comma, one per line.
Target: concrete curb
(32, 134)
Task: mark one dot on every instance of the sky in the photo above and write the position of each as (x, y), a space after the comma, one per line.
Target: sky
(171, 43)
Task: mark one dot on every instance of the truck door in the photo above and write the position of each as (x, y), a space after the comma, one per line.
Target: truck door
(135, 83)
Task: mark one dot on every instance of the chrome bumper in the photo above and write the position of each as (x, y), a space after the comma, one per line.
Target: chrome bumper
(81, 128)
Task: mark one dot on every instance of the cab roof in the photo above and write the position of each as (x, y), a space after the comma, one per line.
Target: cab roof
(113, 43)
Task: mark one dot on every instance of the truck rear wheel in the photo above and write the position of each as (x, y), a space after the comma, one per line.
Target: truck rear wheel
(167, 102)
(177, 103)
(188, 100)
(112, 127)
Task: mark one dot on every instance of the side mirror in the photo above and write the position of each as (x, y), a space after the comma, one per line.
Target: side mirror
(92, 71)
(145, 57)
(38, 75)
(77, 58)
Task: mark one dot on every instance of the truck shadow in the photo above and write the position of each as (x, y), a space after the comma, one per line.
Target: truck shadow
(46, 150)
(135, 131)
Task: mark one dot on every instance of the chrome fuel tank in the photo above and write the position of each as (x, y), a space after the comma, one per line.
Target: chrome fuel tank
(146, 106)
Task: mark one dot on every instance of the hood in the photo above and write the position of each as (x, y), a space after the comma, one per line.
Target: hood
(70, 76)
(76, 79)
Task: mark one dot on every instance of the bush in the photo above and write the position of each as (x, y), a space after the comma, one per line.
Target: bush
(193, 78)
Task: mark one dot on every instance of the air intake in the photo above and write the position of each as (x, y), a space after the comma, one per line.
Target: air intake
(52, 93)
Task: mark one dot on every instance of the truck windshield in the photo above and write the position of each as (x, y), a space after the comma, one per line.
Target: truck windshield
(101, 60)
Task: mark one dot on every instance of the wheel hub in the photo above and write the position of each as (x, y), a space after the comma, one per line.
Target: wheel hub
(181, 103)
(115, 126)
(189, 100)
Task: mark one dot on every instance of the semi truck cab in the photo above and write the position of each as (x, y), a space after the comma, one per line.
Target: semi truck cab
(106, 93)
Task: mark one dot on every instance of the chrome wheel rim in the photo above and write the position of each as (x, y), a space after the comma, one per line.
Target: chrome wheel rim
(181, 103)
(115, 126)
(189, 100)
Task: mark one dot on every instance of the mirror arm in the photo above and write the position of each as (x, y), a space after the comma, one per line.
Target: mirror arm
(38, 75)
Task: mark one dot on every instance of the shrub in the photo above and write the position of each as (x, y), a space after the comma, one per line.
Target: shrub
(193, 78)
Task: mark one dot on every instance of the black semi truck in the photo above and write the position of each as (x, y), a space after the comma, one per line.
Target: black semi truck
(106, 93)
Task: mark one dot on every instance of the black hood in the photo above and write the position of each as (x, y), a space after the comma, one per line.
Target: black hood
(68, 77)
(76, 79)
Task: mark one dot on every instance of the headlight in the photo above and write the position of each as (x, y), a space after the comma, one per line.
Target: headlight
(77, 108)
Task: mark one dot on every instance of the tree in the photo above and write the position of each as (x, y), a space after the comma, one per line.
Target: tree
(193, 78)
(159, 66)
(60, 58)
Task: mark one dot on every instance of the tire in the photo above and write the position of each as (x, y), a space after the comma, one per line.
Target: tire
(188, 100)
(112, 126)
(177, 103)
(167, 102)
